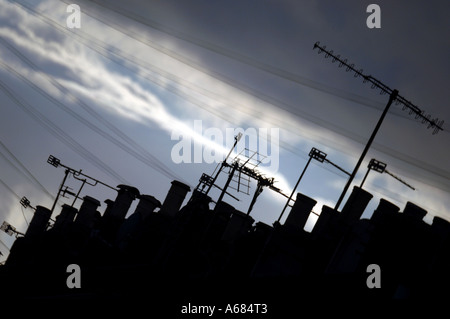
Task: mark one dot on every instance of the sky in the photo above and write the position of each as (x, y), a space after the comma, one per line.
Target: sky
(146, 92)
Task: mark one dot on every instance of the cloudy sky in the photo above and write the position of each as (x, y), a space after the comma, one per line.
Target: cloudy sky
(120, 96)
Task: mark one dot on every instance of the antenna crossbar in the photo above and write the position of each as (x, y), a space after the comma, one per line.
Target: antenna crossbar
(434, 123)
(399, 179)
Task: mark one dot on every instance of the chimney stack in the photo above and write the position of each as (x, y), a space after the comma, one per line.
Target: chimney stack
(300, 212)
(175, 198)
(86, 216)
(323, 222)
(238, 225)
(441, 227)
(224, 210)
(384, 209)
(414, 212)
(109, 205)
(39, 223)
(116, 211)
(132, 224)
(218, 223)
(355, 205)
(199, 197)
(147, 204)
(125, 196)
(65, 218)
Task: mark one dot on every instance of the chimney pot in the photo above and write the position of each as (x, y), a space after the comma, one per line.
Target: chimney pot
(86, 215)
(414, 212)
(125, 196)
(384, 209)
(238, 225)
(39, 222)
(326, 216)
(130, 189)
(224, 209)
(65, 218)
(300, 212)
(147, 204)
(175, 198)
(441, 226)
(355, 205)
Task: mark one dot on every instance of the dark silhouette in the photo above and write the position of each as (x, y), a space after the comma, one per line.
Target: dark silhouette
(196, 251)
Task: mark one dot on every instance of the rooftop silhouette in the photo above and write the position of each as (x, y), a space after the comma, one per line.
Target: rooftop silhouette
(179, 249)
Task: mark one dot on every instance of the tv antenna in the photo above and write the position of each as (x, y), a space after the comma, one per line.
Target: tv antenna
(10, 229)
(320, 157)
(25, 202)
(380, 167)
(419, 114)
(207, 181)
(241, 170)
(85, 179)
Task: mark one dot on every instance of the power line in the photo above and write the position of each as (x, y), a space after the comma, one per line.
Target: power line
(88, 41)
(393, 97)
(58, 133)
(143, 155)
(86, 123)
(217, 49)
(435, 124)
(103, 49)
(23, 214)
(25, 172)
(259, 95)
(15, 195)
(10, 189)
(286, 75)
(241, 87)
(4, 245)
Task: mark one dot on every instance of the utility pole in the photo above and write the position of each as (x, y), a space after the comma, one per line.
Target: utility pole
(436, 124)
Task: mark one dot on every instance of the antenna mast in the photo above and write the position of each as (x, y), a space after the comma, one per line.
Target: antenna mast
(92, 181)
(320, 157)
(436, 124)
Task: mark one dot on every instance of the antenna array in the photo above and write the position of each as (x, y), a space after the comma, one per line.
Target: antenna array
(85, 179)
(380, 167)
(241, 170)
(435, 123)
